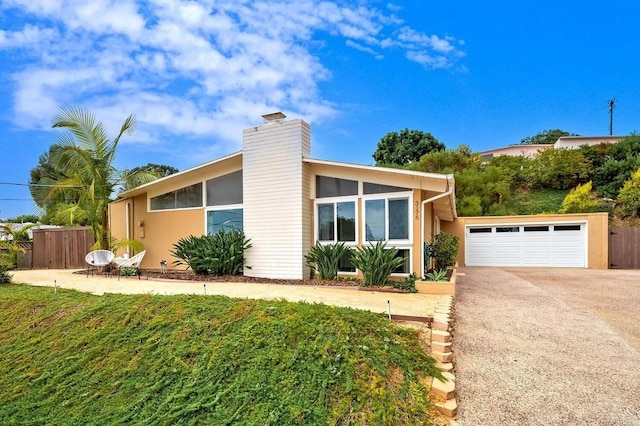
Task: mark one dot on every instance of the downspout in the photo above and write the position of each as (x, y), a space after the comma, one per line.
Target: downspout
(448, 193)
(126, 224)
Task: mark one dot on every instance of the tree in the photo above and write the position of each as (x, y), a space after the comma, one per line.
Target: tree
(83, 160)
(398, 149)
(629, 196)
(546, 137)
(620, 161)
(41, 177)
(448, 161)
(13, 235)
(580, 200)
(158, 170)
(557, 169)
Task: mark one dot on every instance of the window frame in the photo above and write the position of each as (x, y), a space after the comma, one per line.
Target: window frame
(335, 200)
(219, 208)
(397, 243)
(174, 191)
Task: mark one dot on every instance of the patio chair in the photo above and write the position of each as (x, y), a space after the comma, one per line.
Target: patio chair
(97, 259)
(132, 262)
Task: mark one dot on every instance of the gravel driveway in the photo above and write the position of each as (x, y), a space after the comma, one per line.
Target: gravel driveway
(548, 347)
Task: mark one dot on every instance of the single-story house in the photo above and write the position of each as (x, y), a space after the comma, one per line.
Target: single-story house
(564, 142)
(285, 201)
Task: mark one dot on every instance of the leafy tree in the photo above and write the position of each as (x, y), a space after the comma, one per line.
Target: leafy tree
(557, 169)
(516, 166)
(483, 191)
(480, 188)
(629, 196)
(546, 137)
(83, 161)
(448, 161)
(398, 149)
(611, 176)
(580, 200)
(40, 177)
(24, 218)
(620, 161)
(157, 170)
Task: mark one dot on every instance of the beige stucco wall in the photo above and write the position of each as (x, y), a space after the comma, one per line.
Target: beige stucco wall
(597, 231)
(159, 230)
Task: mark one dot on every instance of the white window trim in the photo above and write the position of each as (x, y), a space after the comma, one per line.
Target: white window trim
(386, 197)
(405, 274)
(217, 208)
(335, 201)
(204, 195)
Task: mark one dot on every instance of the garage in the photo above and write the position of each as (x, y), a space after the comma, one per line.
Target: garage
(534, 244)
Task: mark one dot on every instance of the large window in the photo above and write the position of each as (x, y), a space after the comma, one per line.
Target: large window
(187, 197)
(327, 187)
(336, 221)
(387, 219)
(224, 220)
(225, 190)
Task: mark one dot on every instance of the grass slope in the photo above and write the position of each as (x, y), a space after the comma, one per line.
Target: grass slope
(74, 358)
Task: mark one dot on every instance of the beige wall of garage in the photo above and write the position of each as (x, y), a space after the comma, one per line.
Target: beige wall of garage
(597, 231)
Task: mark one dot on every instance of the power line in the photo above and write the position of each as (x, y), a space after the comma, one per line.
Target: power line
(41, 185)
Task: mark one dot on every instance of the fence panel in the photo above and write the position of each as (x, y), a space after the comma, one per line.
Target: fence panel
(61, 248)
(624, 248)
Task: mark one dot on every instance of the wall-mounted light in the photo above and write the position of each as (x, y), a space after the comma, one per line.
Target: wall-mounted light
(141, 223)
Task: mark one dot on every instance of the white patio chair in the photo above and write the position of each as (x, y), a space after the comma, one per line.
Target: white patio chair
(97, 259)
(132, 262)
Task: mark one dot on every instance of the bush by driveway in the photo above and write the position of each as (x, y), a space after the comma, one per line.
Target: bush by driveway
(548, 346)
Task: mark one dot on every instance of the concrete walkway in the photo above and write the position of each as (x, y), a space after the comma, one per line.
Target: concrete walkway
(547, 347)
(421, 305)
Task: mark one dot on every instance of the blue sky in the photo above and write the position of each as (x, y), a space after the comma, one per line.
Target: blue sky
(195, 73)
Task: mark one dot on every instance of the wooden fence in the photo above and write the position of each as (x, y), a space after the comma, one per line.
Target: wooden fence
(61, 248)
(624, 248)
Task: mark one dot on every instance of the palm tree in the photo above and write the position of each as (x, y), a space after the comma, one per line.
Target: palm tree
(83, 159)
(12, 237)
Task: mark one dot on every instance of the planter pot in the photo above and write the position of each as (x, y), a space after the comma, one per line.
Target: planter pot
(438, 287)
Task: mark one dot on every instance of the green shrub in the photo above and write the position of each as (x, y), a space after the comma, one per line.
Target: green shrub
(5, 265)
(408, 284)
(376, 263)
(580, 200)
(325, 259)
(437, 275)
(218, 254)
(444, 250)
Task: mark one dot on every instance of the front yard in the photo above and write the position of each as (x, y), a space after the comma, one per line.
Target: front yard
(74, 358)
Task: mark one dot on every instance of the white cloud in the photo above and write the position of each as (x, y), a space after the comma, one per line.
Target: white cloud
(193, 68)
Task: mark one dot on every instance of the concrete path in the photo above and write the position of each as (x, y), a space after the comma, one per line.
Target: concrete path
(548, 347)
(421, 305)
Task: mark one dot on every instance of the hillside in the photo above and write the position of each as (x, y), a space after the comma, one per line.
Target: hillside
(75, 358)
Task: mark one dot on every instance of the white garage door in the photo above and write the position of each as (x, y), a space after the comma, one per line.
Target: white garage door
(556, 245)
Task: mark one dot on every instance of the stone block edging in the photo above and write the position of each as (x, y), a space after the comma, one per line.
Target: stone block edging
(444, 392)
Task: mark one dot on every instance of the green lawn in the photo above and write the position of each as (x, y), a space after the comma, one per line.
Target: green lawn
(74, 358)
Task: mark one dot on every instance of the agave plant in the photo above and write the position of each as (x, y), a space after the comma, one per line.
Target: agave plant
(325, 259)
(437, 275)
(376, 262)
(218, 254)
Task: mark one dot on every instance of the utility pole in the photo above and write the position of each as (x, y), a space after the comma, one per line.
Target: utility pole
(612, 104)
